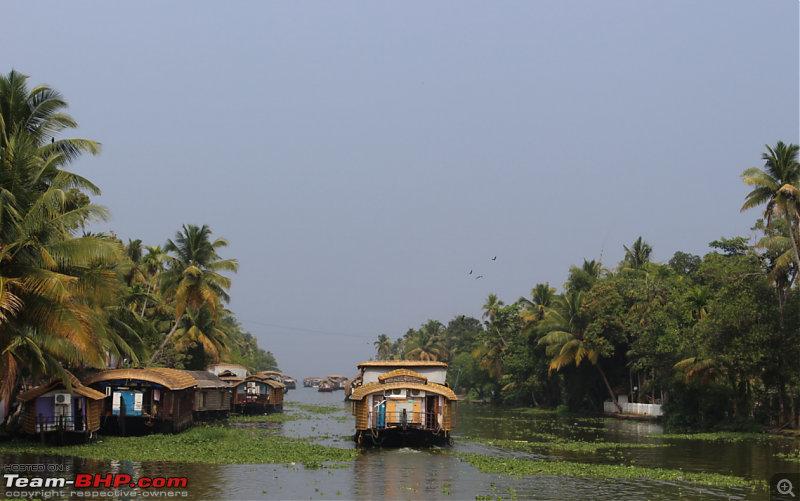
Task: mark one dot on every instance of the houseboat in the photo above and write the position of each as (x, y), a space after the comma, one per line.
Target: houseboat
(325, 385)
(212, 397)
(258, 394)
(350, 385)
(231, 369)
(291, 383)
(338, 381)
(311, 382)
(62, 415)
(403, 402)
(145, 400)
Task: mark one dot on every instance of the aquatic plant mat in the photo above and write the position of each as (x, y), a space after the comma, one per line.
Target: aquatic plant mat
(213, 444)
(520, 466)
(511, 466)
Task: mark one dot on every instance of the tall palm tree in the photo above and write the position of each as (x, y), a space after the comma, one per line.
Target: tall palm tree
(638, 255)
(200, 326)
(192, 278)
(776, 186)
(54, 286)
(384, 347)
(566, 340)
(153, 263)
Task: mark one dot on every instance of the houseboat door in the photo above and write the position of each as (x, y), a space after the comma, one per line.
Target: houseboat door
(382, 414)
(132, 401)
(430, 412)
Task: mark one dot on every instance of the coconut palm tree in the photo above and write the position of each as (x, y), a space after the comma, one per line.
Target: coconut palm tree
(698, 303)
(638, 255)
(566, 341)
(776, 186)
(425, 343)
(192, 277)
(54, 286)
(200, 327)
(535, 309)
(384, 347)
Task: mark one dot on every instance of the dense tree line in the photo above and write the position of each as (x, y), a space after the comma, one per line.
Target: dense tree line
(716, 338)
(75, 300)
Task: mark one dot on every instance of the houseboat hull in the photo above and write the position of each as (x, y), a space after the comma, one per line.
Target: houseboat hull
(398, 437)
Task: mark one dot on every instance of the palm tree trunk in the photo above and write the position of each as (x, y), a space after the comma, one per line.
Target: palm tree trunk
(610, 391)
(794, 244)
(166, 340)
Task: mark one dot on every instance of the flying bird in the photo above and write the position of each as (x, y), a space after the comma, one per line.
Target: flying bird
(494, 258)
(479, 276)
(470, 272)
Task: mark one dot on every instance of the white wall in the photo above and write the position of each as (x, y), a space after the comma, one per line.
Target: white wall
(637, 409)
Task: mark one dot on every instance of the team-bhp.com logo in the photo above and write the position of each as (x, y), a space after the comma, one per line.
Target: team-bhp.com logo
(95, 481)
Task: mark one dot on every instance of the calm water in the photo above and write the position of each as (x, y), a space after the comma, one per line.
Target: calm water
(409, 473)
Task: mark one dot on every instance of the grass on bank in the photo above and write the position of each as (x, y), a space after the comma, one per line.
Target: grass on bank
(201, 444)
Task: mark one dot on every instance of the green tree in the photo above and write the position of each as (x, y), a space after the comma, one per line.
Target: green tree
(192, 277)
(638, 255)
(776, 186)
(384, 347)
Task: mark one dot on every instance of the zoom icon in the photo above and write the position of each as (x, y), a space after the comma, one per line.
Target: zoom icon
(783, 486)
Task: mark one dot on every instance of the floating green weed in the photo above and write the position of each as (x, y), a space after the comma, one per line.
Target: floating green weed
(560, 444)
(509, 466)
(200, 444)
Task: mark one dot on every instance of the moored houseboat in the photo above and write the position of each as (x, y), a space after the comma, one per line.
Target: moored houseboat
(325, 385)
(337, 381)
(56, 414)
(145, 400)
(291, 383)
(235, 370)
(212, 397)
(311, 382)
(258, 394)
(404, 402)
(350, 385)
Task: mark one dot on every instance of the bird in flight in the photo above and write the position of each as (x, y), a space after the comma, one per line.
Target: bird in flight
(494, 258)
(479, 276)
(470, 272)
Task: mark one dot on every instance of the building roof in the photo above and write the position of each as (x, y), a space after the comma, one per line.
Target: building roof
(207, 379)
(262, 379)
(370, 388)
(402, 363)
(55, 383)
(169, 378)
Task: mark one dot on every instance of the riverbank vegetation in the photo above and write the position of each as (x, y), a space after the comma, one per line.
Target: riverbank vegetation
(77, 300)
(713, 338)
(213, 444)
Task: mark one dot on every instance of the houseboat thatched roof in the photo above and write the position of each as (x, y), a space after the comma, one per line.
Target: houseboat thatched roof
(55, 382)
(264, 379)
(370, 388)
(226, 366)
(401, 363)
(403, 373)
(207, 379)
(169, 378)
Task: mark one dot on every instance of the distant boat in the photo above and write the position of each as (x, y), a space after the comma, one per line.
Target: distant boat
(325, 385)
(311, 382)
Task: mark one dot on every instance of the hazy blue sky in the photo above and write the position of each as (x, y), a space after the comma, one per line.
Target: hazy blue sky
(363, 157)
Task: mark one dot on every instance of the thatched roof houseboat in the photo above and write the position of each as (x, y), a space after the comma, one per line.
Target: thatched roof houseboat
(311, 382)
(145, 400)
(325, 385)
(235, 369)
(258, 394)
(53, 412)
(401, 401)
(212, 396)
(291, 383)
(337, 381)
